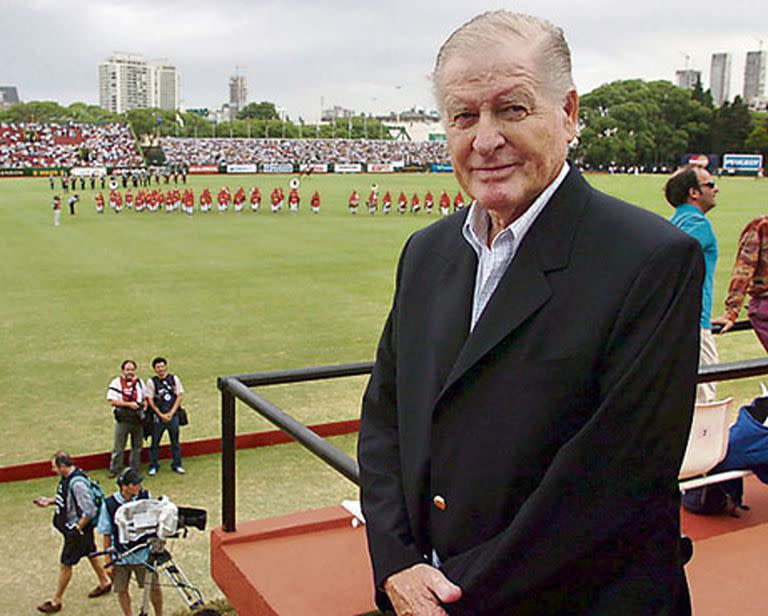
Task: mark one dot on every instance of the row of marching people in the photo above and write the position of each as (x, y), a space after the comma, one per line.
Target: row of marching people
(372, 202)
(175, 200)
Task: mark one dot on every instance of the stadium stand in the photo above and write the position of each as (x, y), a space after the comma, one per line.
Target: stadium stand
(191, 151)
(30, 144)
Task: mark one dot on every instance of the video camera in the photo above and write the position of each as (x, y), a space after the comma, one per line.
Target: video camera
(156, 518)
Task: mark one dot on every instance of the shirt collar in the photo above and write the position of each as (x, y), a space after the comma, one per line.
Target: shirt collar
(478, 222)
(689, 207)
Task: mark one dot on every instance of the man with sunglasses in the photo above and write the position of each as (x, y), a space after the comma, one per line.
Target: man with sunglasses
(692, 192)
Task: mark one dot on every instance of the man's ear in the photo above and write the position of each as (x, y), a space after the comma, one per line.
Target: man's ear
(571, 111)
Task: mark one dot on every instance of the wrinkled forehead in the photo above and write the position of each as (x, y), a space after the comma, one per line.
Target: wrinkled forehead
(485, 62)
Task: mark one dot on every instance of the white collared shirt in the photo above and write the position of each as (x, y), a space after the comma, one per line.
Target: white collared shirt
(493, 262)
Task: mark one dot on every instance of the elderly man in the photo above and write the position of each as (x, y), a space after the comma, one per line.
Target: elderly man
(525, 421)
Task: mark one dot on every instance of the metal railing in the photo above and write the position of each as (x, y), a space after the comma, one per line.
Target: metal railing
(237, 387)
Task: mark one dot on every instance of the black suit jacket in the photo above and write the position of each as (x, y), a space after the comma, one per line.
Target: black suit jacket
(555, 430)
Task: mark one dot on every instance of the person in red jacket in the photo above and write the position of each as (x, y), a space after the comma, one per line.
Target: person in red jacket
(140, 201)
(99, 203)
(239, 199)
(315, 203)
(255, 199)
(188, 201)
(386, 203)
(57, 210)
(224, 198)
(118, 201)
(445, 203)
(429, 202)
(170, 201)
(354, 202)
(294, 199)
(415, 203)
(276, 200)
(373, 200)
(129, 199)
(458, 202)
(206, 198)
(402, 203)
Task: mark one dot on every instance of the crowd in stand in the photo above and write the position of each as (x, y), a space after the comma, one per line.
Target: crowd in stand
(191, 151)
(30, 144)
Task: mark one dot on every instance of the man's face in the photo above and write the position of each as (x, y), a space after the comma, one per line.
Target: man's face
(131, 490)
(706, 193)
(161, 369)
(59, 470)
(507, 135)
(129, 371)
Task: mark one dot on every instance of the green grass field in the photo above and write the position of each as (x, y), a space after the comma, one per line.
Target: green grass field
(215, 294)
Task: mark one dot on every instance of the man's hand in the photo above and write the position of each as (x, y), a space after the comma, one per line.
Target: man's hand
(420, 589)
(44, 501)
(725, 322)
(133, 405)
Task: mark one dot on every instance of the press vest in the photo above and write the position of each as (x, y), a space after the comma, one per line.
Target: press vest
(113, 505)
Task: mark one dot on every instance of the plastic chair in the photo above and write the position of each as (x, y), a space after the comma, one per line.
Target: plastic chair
(708, 440)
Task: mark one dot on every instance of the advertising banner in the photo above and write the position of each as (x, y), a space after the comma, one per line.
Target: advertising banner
(247, 168)
(277, 167)
(742, 163)
(13, 173)
(381, 168)
(197, 169)
(412, 168)
(89, 171)
(347, 168)
(313, 167)
(441, 168)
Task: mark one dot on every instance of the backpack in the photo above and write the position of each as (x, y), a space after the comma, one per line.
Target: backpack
(62, 498)
(95, 489)
(724, 497)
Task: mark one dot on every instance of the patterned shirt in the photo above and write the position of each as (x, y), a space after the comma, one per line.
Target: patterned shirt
(493, 261)
(750, 272)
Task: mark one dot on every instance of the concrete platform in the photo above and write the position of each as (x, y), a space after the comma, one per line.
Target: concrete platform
(316, 562)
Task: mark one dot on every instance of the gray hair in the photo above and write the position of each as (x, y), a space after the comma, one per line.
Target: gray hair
(496, 27)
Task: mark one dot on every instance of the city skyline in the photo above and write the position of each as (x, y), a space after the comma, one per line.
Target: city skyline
(369, 59)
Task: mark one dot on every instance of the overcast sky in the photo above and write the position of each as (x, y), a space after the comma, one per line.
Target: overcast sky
(367, 56)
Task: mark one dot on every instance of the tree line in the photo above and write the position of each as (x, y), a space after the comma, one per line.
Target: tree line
(629, 122)
(257, 120)
(636, 122)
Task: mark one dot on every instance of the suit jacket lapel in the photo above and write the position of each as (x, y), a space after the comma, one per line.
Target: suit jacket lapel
(524, 287)
(453, 298)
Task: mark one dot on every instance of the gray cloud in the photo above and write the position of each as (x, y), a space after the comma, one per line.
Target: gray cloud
(351, 53)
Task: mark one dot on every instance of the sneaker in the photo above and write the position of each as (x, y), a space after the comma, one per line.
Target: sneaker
(180, 470)
(152, 471)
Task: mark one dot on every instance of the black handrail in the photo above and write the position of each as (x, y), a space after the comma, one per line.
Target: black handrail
(237, 386)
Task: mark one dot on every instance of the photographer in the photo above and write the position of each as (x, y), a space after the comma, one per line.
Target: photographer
(75, 512)
(129, 489)
(125, 395)
(165, 393)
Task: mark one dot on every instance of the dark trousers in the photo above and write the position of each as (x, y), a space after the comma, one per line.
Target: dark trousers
(758, 316)
(158, 428)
